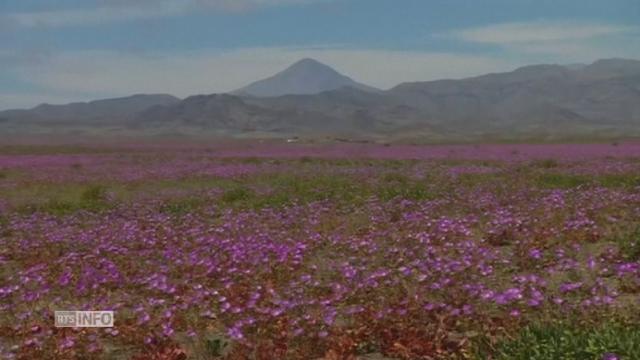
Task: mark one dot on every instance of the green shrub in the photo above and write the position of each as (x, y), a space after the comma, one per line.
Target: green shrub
(215, 347)
(305, 189)
(619, 180)
(275, 200)
(237, 194)
(629, 243)
(57, 207)
(412, 191)
(4, 227)
(561, 181)
(395, 177)
(560, 342)
(182, 206)
(471, 180)
(94, 194)
(547, 163)
(252, 160)
(69, 200)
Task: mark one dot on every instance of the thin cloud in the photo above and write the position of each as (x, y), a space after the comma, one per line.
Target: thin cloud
(537, 31)
(556, 41)
(111, 11)
(101, 15)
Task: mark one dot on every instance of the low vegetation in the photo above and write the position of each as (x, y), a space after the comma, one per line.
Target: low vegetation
(418, 255)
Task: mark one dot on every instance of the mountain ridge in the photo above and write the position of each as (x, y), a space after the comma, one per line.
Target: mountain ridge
(543, 99)
(113, 109)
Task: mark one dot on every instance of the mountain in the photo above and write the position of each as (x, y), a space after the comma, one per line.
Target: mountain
(100, 111)
(306, 76)
(225, 113)
(603, 94)
(611, 68)
(351, 110)
(551, 101)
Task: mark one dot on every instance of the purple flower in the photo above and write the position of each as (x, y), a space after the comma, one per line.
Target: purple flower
(235, 333)
(144, 318)
(167, 330)
(535, 254)
(67, 343)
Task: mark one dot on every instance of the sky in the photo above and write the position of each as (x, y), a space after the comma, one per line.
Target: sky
(78, 50)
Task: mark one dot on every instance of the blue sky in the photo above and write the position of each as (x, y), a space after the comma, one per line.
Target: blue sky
(76, 50)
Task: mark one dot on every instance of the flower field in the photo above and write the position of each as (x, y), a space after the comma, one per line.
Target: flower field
(297, 251)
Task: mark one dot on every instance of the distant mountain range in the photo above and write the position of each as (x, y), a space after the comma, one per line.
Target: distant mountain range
(311, 99)
(108, 111)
